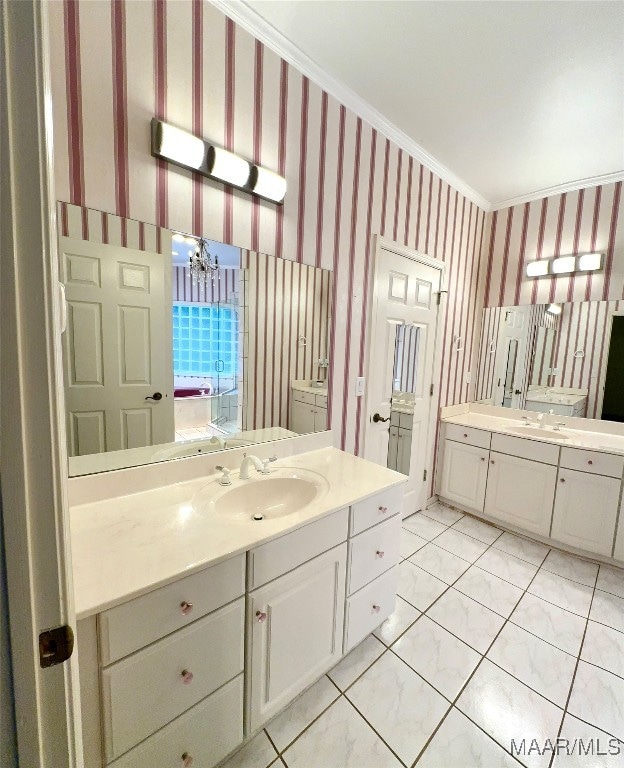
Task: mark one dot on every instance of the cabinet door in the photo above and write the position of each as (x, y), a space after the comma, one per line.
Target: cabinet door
(586, 509)
(521, 492)
(320, 418)
(393, 448)
(405, 451)
(295, 627)
(302, 418)
(464, 474)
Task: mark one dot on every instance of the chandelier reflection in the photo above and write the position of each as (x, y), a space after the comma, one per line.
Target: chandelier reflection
(202, 265)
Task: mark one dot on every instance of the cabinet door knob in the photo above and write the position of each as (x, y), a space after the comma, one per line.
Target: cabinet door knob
(562, 480)
(260, 616)
(482, 458)
(187, 760)
(376, 608)
(185, 607)
(380, 553)
(187, 676)
(383, 510)
(590, 462)
(492, 461)
(465, 434)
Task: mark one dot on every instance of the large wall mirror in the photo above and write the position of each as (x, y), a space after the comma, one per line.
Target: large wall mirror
(567, 359)
(184, 345)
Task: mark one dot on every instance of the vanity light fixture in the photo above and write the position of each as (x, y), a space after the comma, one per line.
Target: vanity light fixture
(563, 265)
(189, 151)
(590, 262)
(537, 268)
(554, 309)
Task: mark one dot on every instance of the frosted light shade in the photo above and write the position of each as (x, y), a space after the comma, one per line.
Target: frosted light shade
(228, 167)
(537, 268)
(554, 309)
(181, 147)
(269, 184)
(589, 262)
(563, 265)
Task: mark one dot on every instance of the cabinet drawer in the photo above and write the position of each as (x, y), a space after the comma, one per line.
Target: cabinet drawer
(376, 509)
(146, 690)
(469, 435)
(206, 733)
(320, 400)
(547, 453)
(304, 397)
(369, 607)
(592, 461)
(372, 553)
(139, 622)
(276, 557)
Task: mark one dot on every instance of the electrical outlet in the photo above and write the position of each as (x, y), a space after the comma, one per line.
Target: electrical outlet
(360, 384)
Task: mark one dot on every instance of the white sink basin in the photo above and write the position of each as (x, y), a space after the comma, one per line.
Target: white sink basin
(263, 497)
(542, 434)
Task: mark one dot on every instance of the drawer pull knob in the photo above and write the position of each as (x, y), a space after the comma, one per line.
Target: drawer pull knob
(185, 607)
(376, 608)
(482, 458)
(260, 616)
(465, 434)
(187, 760)
(562, 480)
(492, 461)
(380, 553)
(383, 510)
(590, 462)
(187, 677)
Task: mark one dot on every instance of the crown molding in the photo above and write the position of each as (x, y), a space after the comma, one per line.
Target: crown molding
(251, 21)
(571, 186)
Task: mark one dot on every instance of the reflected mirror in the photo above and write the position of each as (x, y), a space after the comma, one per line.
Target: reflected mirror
(568, 358)
(186, 346)
(404, 384)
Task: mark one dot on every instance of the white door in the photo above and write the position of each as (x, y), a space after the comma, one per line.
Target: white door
(295, 627)
(521, 492)
(117, 347)
(406, 287)
(464, 474)
(511, 357)
(578, 492)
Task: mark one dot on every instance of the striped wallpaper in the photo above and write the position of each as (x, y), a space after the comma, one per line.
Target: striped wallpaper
(221, 289)
(186, 62)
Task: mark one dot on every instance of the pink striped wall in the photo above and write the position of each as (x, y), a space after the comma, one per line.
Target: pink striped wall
(587, 220)
(187, 62)
(221, 289)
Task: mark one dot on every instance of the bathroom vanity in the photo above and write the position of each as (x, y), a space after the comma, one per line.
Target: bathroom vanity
(559, 482)
(199, 623)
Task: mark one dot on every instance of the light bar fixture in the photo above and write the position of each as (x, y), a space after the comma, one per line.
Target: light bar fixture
(554, 309)
(565, 265)
(188, 151)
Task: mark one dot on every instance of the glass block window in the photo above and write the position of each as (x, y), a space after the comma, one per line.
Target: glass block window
(205, 340)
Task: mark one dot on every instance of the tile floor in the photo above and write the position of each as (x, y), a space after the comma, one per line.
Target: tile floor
(494, 638)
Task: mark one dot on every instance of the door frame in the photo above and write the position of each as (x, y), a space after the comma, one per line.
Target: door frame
(32, 433)
(602, 375)
(430, 261)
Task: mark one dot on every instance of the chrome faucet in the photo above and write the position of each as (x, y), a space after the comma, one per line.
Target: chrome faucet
(261, 465)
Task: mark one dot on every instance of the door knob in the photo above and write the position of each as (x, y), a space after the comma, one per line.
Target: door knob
(156, 396)
(377, 418)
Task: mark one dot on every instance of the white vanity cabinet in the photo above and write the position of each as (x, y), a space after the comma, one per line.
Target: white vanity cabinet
(464, 474)
(308, 411)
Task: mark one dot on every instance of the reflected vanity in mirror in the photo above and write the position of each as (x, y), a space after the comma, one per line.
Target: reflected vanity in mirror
(565, 359)
(184, 345)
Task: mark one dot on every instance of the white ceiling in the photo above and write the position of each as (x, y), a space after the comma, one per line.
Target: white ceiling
(514, 98)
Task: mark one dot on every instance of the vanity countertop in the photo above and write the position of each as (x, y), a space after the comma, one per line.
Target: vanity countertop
(309, 388)
(556, 399)
(577, 438)
(127, 546)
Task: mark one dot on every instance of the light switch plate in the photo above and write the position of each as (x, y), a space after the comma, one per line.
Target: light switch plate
(360, 384)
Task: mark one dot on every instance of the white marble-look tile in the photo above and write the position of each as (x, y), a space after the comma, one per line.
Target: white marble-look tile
(571, 567)
(440, 563)
(525, 549)
(356, 661)
(507, 709)
(340, 738)
(470, 621)
(423, 526)
(303, 710)
(399, 704)
(587, 747)
(608, 609)
(477, 529)
(417, 586)
(507, 567)
(440, 657)
(489, 590)
(258, 753)
(598, 698)
(540, 665)
(410, 543)
(399, 620)
(459, 743)
(604, 647)
(611, 580)
(461, 545)
(443, 514)
(566, 594)
(553, 624)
